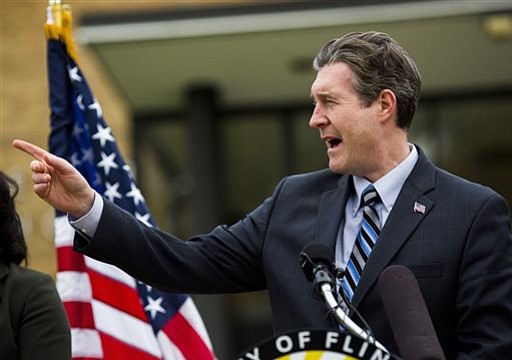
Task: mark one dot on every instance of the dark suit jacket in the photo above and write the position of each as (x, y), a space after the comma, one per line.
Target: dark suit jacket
(33, 323)
(460, 249)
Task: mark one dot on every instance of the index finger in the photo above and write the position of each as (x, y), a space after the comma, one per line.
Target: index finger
(30, 149)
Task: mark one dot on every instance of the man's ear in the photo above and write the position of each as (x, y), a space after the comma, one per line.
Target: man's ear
(387, 105)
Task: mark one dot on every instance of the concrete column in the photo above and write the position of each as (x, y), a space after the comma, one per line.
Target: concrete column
(204, 154)
(204, 141)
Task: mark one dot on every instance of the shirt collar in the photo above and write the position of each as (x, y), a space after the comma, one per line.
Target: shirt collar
(390, 184)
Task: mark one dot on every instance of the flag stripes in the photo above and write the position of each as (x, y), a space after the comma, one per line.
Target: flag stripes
(112, 345)
(180, 333)
(121, 298)
(86, 344)
(80, 314)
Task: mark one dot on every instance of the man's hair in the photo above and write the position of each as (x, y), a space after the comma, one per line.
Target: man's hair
(378, 62)
(12, 242)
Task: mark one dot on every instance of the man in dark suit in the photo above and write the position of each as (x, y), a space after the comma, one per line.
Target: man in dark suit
(453, 234)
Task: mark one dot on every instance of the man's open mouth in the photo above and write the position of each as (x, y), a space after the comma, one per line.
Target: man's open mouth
(332, 143)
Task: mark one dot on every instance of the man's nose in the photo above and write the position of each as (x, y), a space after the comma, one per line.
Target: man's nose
(318, 118)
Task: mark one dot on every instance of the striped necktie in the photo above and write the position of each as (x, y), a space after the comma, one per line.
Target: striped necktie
(366, 239)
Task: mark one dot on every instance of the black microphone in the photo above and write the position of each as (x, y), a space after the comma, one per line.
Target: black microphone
(408, 315)
(314, 260)
(316, 266)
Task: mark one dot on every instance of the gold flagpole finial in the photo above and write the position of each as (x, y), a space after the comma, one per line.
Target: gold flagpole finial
(59, 25)
(56, 11)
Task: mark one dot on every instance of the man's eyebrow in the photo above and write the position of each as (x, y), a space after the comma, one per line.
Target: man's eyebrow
(320, 95)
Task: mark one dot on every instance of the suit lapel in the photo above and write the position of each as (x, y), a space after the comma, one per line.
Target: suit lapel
(411, 207)
(331, 212)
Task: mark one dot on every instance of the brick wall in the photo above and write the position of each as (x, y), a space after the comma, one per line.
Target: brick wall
(24, 111)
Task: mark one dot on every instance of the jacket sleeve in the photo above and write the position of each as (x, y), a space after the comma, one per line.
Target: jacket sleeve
(226, 260)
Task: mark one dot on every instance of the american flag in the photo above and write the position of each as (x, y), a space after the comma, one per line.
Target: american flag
(112, 315)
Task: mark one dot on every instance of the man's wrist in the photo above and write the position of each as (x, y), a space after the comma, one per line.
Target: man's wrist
(88, 223)
(83, 207)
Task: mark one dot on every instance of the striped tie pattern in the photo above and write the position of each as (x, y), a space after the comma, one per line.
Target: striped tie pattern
(366, 239)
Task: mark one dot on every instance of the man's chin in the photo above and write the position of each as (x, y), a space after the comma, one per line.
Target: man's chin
(335, 167)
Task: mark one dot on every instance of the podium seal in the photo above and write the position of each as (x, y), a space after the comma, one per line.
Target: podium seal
(314, 345)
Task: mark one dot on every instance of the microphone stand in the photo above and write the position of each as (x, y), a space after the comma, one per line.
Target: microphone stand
(320, 271)
(345, 321)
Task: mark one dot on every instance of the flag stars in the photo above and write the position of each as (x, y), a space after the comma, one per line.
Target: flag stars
(128, 171)
(74, 75)
(74, 159)
(97, 179)
(103, 135)
(146, 287)
(154, 306)
(135, 194)
(77, 130)
(96, 106)
(107, 162)
(87, 155)
(143, 218)
(111, 192)
(80, 102)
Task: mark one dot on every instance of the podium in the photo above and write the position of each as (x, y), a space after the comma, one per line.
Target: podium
(314, 344)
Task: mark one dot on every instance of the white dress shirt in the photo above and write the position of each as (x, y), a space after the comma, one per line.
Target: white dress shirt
(388, 188)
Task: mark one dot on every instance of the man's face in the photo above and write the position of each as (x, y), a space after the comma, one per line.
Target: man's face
(347, 126)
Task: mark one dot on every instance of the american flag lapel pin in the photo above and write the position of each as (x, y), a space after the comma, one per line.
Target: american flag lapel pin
(419, 208)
